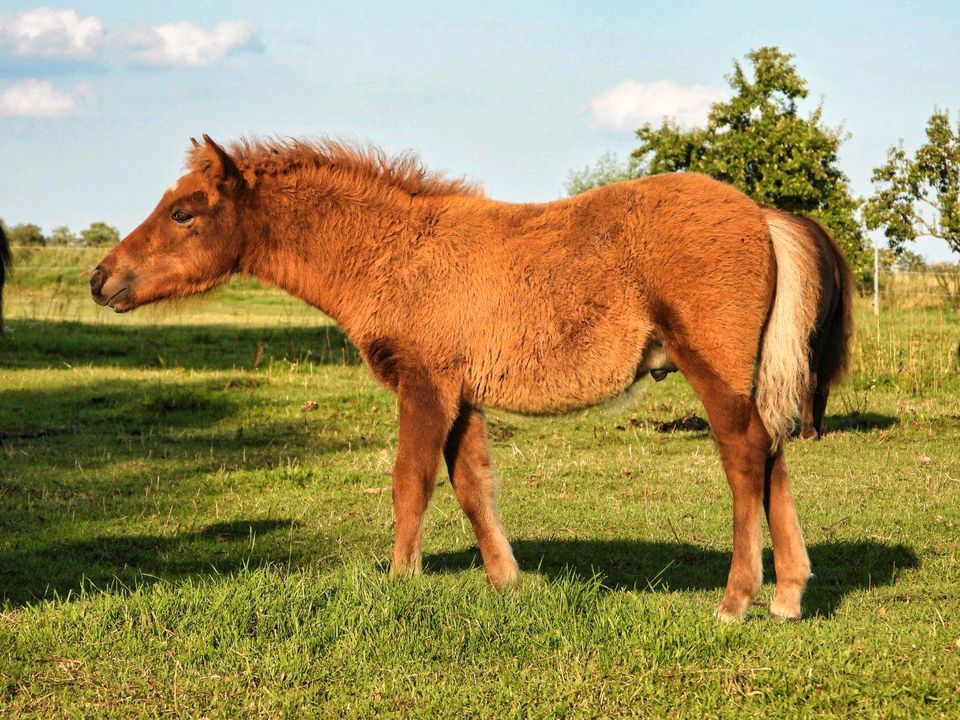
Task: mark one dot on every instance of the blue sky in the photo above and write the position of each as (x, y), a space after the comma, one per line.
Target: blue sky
(98, 99)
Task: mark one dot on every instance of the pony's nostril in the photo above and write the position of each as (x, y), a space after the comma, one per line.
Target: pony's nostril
(97, 278)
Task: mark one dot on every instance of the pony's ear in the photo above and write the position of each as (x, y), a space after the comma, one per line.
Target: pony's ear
(193, 141)
(221, 169)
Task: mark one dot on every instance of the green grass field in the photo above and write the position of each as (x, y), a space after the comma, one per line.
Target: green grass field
(183, 533)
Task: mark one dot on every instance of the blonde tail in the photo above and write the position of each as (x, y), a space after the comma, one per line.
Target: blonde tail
(783, 377)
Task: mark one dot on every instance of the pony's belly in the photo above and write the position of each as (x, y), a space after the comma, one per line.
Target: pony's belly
(560, 385)
(541, 397)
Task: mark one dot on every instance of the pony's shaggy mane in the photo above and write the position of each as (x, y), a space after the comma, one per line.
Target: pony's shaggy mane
(305, 158)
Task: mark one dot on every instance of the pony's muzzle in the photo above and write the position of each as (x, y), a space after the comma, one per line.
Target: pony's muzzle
(105, 292)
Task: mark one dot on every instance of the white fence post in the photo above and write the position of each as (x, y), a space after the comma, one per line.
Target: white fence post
(876, 280)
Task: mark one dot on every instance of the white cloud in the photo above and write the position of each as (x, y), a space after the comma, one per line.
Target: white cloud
(49, 32)
(38, 98)
(46, 32)
(627, 106)
(183, 43)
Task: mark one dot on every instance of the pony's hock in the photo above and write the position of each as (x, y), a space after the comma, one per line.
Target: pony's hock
(601, 289)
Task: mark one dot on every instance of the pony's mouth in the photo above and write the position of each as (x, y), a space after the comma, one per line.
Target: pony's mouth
(119, 301)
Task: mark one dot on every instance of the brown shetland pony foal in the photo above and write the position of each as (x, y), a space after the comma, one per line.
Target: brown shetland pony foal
(458, 302)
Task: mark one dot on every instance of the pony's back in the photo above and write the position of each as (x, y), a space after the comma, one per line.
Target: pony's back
(5, 263)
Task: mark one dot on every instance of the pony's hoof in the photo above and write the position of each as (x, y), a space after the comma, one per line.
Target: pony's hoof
(735, 603)
(786, 598)
(725, 616)
(505, 585)
(785, 610)
(729, 615)
(403, 571)
(505, 577)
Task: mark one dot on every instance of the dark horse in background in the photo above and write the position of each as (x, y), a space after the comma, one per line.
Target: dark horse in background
(6, 262)
(830, 344)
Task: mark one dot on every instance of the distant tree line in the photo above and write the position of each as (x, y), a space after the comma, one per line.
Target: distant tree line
(98, 234)
(760, 142)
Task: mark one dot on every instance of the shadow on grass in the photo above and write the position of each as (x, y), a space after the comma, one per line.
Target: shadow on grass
(118, 408)
(76, 454)
(56, 344)
(850, 422)
(639, 566)
(858, 422)
(62, 568)
(110, 421)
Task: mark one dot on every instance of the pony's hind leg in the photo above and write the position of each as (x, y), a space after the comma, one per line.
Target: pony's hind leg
(471, 474)
(809, 428)
(814, 408)
(744, 444)
(820, 397)
(789, 551)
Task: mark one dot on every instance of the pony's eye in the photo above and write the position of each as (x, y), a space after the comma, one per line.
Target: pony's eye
(181, 217)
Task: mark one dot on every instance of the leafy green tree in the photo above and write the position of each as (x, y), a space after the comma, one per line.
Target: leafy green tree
(26, 234)
(919, 196)
(62, 235)
(608, 169)
(909, 261)
(759, 142)
(100, 234)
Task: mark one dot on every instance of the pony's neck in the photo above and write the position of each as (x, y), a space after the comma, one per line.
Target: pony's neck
(325, 249)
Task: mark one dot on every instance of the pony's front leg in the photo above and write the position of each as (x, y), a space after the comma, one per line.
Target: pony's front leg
(425, 423)
(471, 474)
